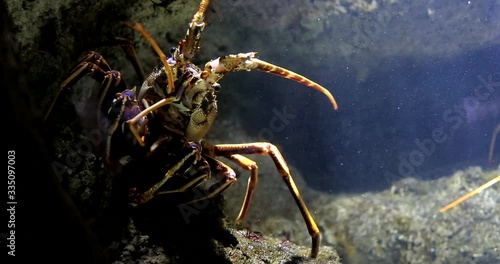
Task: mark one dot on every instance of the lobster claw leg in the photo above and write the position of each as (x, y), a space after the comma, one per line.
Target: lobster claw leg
(219, 67)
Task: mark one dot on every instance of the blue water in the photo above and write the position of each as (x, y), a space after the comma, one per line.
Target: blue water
(433, 102)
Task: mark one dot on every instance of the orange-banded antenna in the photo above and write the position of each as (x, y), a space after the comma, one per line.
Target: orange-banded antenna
(168, 70)
(282, 72)
(470, 194)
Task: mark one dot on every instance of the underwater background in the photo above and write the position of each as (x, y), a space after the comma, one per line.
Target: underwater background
(400, 70)
(418, 88)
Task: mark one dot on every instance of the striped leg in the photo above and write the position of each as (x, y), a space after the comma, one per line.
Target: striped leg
(232, 151)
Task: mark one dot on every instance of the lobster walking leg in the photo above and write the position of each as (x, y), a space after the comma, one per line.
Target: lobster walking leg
(250, 165)
(143, 197)
(202, 173)
(135, 123)
(95, 66)
(222, 170)
(264, 148)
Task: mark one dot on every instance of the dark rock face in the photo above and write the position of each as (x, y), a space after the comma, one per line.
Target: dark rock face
(44, 211)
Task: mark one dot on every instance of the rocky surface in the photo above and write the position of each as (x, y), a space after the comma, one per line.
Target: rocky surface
(399, 225)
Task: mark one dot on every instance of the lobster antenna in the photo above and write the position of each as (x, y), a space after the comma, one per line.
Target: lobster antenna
(470, 194)
(168, 70)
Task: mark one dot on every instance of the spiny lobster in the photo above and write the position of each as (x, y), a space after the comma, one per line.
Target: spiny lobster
(168, 117)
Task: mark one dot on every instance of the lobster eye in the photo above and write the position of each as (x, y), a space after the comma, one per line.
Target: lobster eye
(216, 87)
(172, 50)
